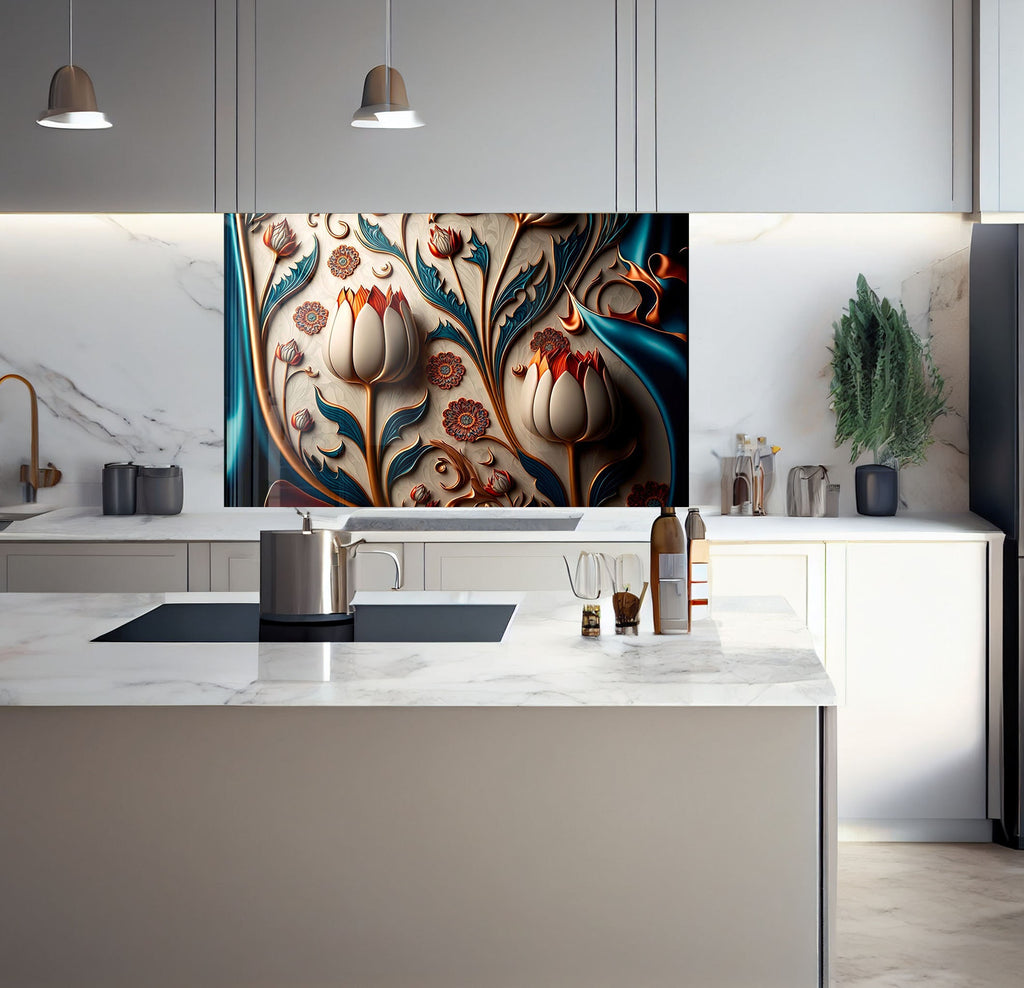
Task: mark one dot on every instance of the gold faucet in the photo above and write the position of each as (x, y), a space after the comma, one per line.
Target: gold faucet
(30, 476)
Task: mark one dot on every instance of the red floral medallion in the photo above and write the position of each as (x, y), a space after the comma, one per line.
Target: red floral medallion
(343, 261)
(310, 317)
(466, 420)
(649, 495)
(445, 370)
(549, 342)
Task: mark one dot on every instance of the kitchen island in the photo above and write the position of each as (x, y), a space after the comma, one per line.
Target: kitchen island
(544, 810)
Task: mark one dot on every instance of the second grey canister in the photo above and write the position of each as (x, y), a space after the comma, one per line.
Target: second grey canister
(160, 490)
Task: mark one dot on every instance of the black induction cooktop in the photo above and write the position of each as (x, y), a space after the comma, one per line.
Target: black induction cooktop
(240, 622)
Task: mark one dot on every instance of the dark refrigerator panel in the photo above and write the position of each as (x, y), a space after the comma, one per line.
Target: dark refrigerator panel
(996, 435)
(994, 422)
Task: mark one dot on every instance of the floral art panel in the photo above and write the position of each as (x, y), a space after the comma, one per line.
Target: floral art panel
(449, 360)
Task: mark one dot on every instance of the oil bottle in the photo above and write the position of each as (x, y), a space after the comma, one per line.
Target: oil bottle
(668, 573)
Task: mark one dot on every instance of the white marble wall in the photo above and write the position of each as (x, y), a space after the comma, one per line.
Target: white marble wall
(764, 292)
(117, 320)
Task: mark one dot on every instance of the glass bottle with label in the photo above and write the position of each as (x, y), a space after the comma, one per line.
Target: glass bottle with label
(668, 573)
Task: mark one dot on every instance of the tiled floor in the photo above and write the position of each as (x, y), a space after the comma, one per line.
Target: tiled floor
(941, 915)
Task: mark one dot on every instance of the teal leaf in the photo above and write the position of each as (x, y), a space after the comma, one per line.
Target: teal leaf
(373, 236)
(338, 483)
(610, 477)
(481, 255)
(298, 276)
(612, 225)
(548, 483)
(332, 453)
(522, 317)
(446, 331)
(348, 425)
(516, 285)
(432, 287)
(568, 251)
(401, 418)
(405, 460)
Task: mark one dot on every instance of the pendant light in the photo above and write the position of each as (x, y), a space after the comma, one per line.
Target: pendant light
(385, 102)
(72, 104)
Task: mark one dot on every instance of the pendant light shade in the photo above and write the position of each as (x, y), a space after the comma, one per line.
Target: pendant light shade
(385, 105)
(72, 103)
(385, 101)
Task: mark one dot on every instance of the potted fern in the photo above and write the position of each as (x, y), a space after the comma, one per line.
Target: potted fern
(886, 393)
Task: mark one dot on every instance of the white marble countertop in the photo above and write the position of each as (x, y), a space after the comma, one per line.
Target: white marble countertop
(417, 524)
(747, 654)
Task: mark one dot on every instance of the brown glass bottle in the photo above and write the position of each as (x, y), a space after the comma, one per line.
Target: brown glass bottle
(668, 571)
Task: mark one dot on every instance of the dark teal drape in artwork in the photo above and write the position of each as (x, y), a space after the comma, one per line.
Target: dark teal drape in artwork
(659, 359)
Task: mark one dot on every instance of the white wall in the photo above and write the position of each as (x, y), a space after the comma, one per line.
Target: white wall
(117, 320)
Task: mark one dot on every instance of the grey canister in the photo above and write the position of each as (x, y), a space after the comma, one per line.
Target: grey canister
(119, 481)
(160, 490)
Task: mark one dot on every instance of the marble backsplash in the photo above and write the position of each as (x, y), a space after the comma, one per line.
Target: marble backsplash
(117, 320)
(764, 292)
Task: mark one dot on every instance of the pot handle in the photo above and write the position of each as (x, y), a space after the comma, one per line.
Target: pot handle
(387, 552)
(343, 547)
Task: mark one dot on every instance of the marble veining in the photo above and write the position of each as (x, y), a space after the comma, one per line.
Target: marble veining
(117, 321)
(745, 656)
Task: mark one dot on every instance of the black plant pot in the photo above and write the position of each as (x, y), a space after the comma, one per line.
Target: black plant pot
(878, 489)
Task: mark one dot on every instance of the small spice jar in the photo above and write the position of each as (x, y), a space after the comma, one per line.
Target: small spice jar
(591, 627)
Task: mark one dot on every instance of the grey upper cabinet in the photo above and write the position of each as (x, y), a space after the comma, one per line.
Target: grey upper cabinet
(519, 101)
(153, 69)
(999, 106)
(800, 105)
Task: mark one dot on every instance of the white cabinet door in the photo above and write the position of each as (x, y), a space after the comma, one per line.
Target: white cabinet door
(912, 741)
(96, 567)
(519, 101)
(153, 69)
(794, 571)
(800, 105)
(234, 565)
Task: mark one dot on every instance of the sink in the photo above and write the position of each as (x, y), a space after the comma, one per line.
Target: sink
(240, 622)
(18, 512)
(462, 520)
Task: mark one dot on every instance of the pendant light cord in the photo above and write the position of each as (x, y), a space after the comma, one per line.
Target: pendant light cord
(387, 53)
(71, 32)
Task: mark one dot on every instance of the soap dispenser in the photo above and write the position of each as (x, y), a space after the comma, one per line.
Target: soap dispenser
(668, 573)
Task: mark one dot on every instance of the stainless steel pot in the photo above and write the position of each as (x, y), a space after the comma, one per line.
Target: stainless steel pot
(307, 573)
